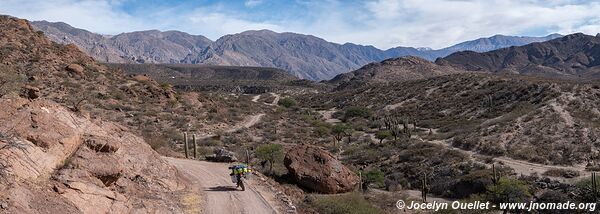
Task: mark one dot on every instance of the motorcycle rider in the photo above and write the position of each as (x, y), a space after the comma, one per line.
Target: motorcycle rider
(237, 173)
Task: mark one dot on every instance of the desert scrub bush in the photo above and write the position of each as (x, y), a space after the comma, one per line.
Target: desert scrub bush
(287, 102)
(342, 204)
(565, 173)
(322, 131)
(382, 135)
(585, 190)
(166, 86)
(356, 111)
(508, 190)
(10, 82)
(271, 153)
(374, 176)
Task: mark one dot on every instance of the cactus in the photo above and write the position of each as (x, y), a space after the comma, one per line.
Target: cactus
(195, 146)
(185, 144)
(407, 130)
(424, 188)
(495, 177)
(594, 186)
(489, 101)
(415, 124)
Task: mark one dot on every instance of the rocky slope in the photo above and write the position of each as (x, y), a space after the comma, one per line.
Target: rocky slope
(495, 42)
(54, 161)
(142, 47)
(58, 152)
(304, 56)
(572, 56)
(500, 115)
(393, 70)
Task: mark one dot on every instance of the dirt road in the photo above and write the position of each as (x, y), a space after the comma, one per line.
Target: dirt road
(276, 100)
(255, 98)
(248, 122)
(524, 167)
(220, 194)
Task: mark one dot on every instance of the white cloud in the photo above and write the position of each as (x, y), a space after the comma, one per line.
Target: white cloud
(98, 16)
(383, 23)
(217, 24)
(439, 23)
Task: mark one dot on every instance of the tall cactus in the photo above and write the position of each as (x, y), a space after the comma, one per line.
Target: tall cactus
(424, 188)
(495, 178)
(195, 146)
(185, 145)
(415, 124)
(594, 186)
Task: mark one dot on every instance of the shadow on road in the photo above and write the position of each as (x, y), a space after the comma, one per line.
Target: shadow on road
(222, 189)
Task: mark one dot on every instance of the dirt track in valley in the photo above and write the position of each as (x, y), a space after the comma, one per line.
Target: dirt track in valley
(523, 167)
(220, 195)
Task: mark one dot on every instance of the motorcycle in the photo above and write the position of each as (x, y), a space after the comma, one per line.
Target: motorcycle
(238, 178)
(240, 182)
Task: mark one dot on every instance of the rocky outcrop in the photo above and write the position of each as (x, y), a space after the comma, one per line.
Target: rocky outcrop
(78, 165)
(75, 69)
(222, 155)
(393, 70)
(317, 170)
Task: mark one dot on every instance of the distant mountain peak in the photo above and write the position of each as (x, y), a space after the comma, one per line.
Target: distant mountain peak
(572, 56)
(305, 56)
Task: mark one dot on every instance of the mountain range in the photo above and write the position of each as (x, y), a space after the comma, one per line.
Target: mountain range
(576, 55)
(304, 56)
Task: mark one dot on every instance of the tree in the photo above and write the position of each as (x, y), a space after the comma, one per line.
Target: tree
(339, 131)
(508, 190)
(287, 102)
(271, 153)
(382, 135)
(356, 111)
(322, 130)
(373, 177)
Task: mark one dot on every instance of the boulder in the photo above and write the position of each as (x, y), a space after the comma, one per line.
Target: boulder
(75, 69)
(318, 170)
(222, 155)
(142, 78)
(31, 92)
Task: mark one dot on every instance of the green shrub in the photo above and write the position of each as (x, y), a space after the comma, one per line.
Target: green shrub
(356, 111)
(382, 135)
(287, 102)
(374, 176)
(166, 86)
(342, 204)
(508, 190)
(322, 131)
(271, 153)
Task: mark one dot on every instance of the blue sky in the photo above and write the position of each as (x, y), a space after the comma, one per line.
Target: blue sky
(382, 23)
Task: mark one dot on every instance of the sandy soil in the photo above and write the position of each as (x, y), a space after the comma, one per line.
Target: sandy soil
(255, 98)
(328, 115)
